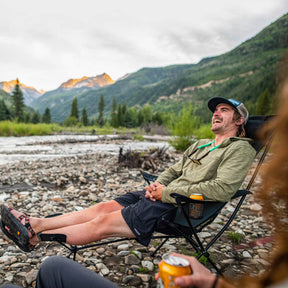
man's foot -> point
(16, 226)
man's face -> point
(222, 120)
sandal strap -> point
(27, 223)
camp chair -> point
(188, 228)
(183, 226)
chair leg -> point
(214, 266)
(159, 247)
(207, 255)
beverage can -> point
(171, 267)
(196, 209)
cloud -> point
(46, 43)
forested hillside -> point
(245, 73)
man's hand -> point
(154, 191)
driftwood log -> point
(146, 160)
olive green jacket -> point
(218, 178)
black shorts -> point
(142, 214)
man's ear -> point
(240, 121)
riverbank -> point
(44, 187)
(31, 148)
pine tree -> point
(46, 116)
(114, 119)
(84, 118)
(74, 109)
(4, 111)
(140, 118)
(18, 102)
(36, 117)
(119, 115)
(101, 106)
(27, 117)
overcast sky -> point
(45, 43)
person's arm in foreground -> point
(201, 277)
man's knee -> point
(108, 207)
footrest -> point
(52, 237)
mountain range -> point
(243, 73)
(29, 93)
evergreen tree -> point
(36, 117)
(46, 116)
(101, 106)
(124, 110)
(119, 115)
(114, 119)
(157, 118)
(140, 118)
(74, 109)
(18, 102)
(263, 106)
(27, 117)
(84, 118)
(128, 120)
(4, 111)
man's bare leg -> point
(72, 218)
(101, 227)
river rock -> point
(57, 187)
(31, 276)
(148, 264)
(132, 259)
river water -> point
(13, 149)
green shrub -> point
(204, 132)
(183, 129)
(70, 121)
(181, 143)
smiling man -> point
(219, 165)
(215, 169)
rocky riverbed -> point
(46, 187)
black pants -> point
(60, 272)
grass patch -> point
(157, 243)
(9, 128)
(144, 270)
(203, 260)
(138, 137)
(236, 236)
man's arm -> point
(175, 170)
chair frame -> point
(181, 201)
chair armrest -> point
(181, 199)
(241, 193)
(149, 177)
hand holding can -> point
(171, 267)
